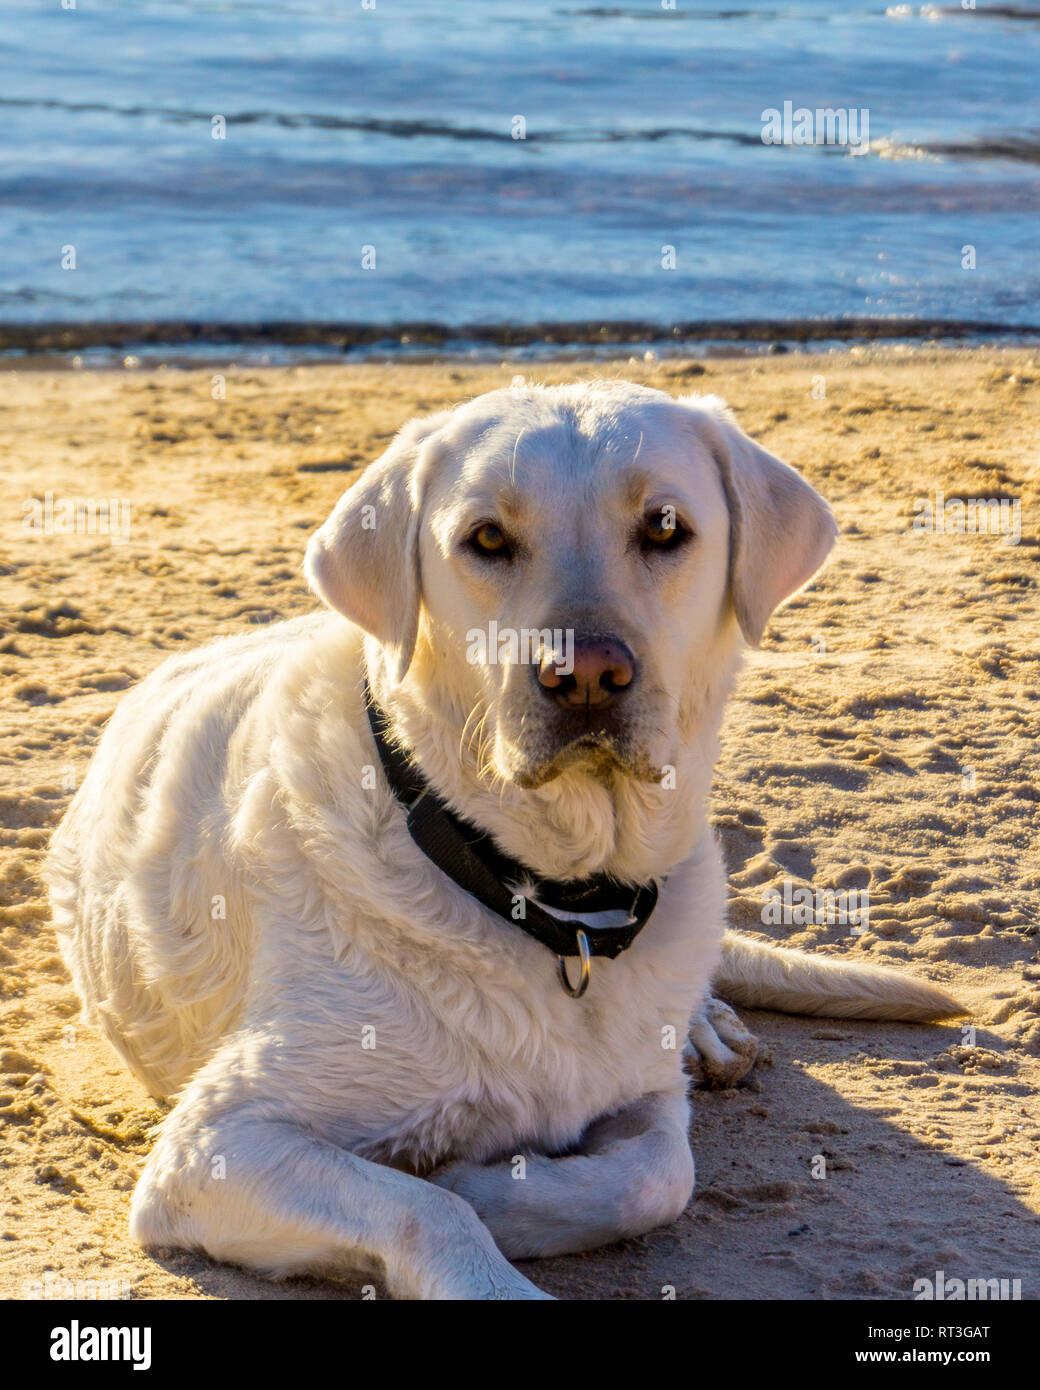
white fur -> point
(244, 911)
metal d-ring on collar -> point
(471, 859)
(576, 991)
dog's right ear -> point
(364, 561)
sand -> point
(884, 738)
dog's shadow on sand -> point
(802, 1193)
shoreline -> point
(186, 343)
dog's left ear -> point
(364, 561)
(781, 529)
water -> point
(391, 128)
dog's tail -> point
(762, 976)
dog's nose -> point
(603, 669)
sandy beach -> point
(886, 738)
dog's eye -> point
(489, 539)
(663, 530)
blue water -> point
(391, 128)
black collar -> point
(469, 857)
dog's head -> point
(561, 563)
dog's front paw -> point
(720, 1051)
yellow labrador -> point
(409, 922)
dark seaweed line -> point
(401, 129)
(623, 12)
(1021, 148)
(74, 337)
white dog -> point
(349, 986)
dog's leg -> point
(720, 1051)
(263, 1193)
(634, 1172)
